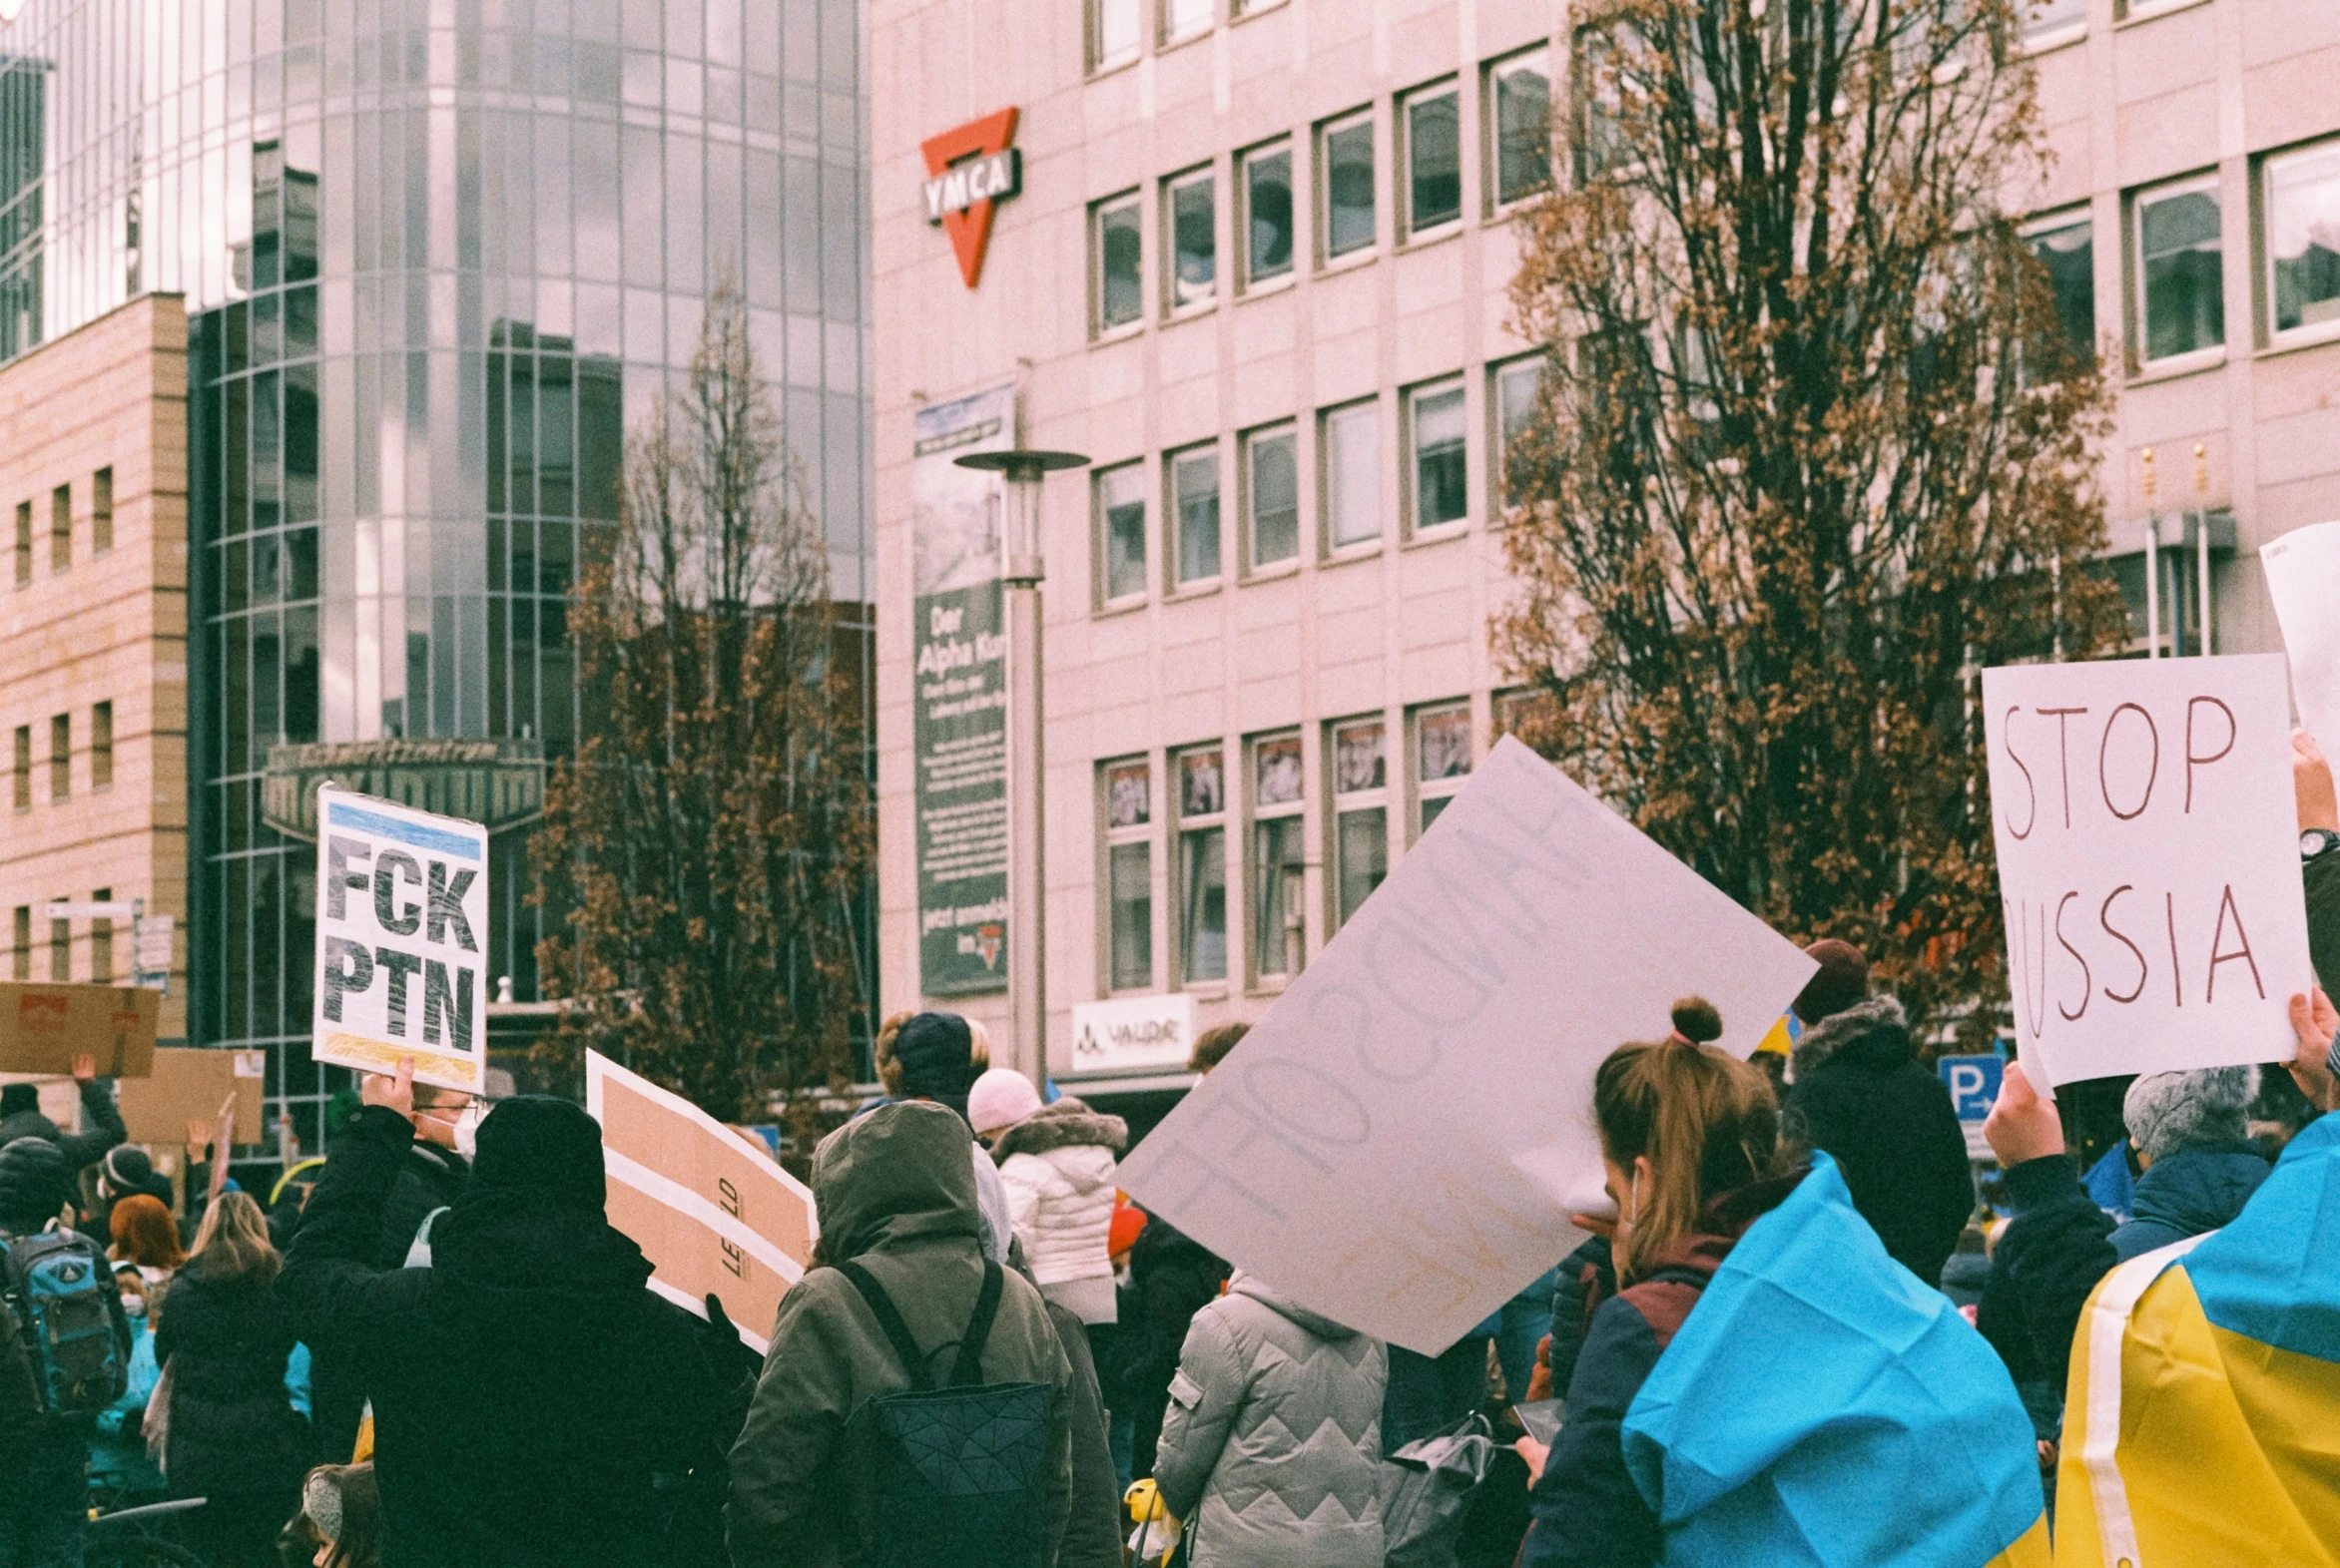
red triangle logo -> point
(971, 231)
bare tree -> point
(703, 846)
(1811, 451)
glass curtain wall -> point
(439, 255)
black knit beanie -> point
(537, 1143)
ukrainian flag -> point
(1821, 1406)
(2202, 1421)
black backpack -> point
(950, 1477)
(67, 1316)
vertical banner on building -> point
(402, 930)
(961, 713)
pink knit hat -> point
(1000, 1098)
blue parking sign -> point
(1972, 1082)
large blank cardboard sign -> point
(189, 1085)
(706, 1204)
(2303, 580)
(401, 923)
(1397, 1142)
(2148, 861)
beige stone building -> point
(92, 644)
(1255, 267)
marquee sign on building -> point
(970, 171)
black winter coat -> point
(1172, 1277)
(1861, 1094)
(233, 1426)
(87, 1147)
(535, 1403)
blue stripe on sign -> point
(437, 839)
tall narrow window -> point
(1344, 154)
(1129, 873)
(1191, 215)
(1434, 159)
(1270, 460)
(60, 947)
(1518, 122)
(1194, 496)
(1114, 33)
(1352, 487)
(101, 511)
(1441, 760)
(60, 756)
(20, 775)
(2303, 243)
(24, 543)
(102, 942)
(102, 745)
(2068, 250)
(1185, 18)
(1121, 289)
(1202, 865)
(1441, 469)
(20, 965)
(1518, 388)
(1278, 859)
(2181, 307)
(1121, 532)
(1267, 214)
(1361, 815)
(61, 528)
(1599, 100)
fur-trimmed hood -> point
(1874, 1034)
(1064, 1124)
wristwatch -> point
(2315, 843)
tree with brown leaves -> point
(703, 846)
(1811, 453)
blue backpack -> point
(68, 1312)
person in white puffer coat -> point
(1057, 1162)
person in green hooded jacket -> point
(895, 1193)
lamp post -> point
(1027, 931)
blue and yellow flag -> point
(2202, 1420)
(1821, 1407)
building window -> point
(1441, 760)
(1518, 122)
(1271, 469)
(1129, 874)
(1202, 865)
(2051, 19)
(1114, 33)
(1121, 289)
(1518, 393)
(1185, 18)
(1194, 500)
(1440, 473)
(2303, 240)
(21, 949)
(102, 745)
(1344, 154)
(101, 511)
(20, 775)
(1432, 120)
(1121, 531)
(1353, 475)
(61, 528)
(24, 543)
(2180, 306)
(1277, 859)
(101, 942)
(1191, 214)
(1267, 214)
(60, 756)
(1361, 817)
(1252, 7)
(60, 947)
(2068, 250)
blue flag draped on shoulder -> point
(2202, 1420)
(1820, 1406)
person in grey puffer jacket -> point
(1271, 1450)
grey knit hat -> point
(2166, 1112)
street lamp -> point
(1028, 934)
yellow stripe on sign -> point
(382, 1056)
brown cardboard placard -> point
(44, 1027)
(186, 1086)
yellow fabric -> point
(1777, 1041)
(2032, 1551)
(2229, 1450)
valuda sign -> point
(401, 924)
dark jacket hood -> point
(34, 1183)
(1874, 1035)
(1065, 1124)
(532, 1256)
(901, 1174)
(2198, 1189)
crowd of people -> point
(1792, 1334)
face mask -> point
(135, 1305)
(467, 1130)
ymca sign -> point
(970, 171)
(985, 180)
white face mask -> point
(135, 1305)
(467, 1130)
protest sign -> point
(2148, 863)
(711, 1210)
(402, 919)
(1396, 1142)
(188, 1086)
(2303, 579)
(1972, 1082)
(44, 1027)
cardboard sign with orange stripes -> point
(707, 1205)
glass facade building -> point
(440, 257)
